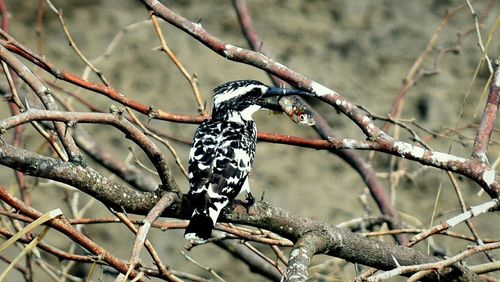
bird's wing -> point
(220, 160)
(202, 154)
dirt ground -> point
(363, 49)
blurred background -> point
(362, 49)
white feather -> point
(214, 213)
(219, 98)
(202, 166)
(247, 113)
(191, 237)
(245, 187)
(244, 115)
(240, 154)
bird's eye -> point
(302, 117)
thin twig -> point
(263, 256)
(160, 139)
(73, 44)
(435, 265)
(171, 55)
(111, 46)
(154, 255)
(479, 37)
(39, 26)
(206, 268)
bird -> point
(223, 150)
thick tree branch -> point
(337, 242)
(324, 130)
(341, 243)
(479, 172)
(300, 257)
(85, 179)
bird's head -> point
(244, 97)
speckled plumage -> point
(222, 154)
(223, 150)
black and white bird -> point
(223, 151)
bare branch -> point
(489, 116)
(116, 120)
(67, 230)
(324, 130)
(130, 173)
(171, 55)
(44, 95)
(73, 44)
(161, 267)
(254, 262)
(300, 257)
(165, 201)
(486, 177)
(434, 266)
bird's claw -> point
(250, 201)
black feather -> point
(221, 157)
(201, 225)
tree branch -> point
(122, 124)
(341, 243)
(324, 130)
(488, 120)
(300, 258)
(45, 96)
(480, 173)
(128, 172)
(69, 231)
(12, 45)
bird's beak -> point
(277, 91)
(266, 101)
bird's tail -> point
(205, 214)
(199, 228)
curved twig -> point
(116, 120)
(45, 96)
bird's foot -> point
(250, 201)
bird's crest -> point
(238, 89)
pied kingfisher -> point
(223, 151)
